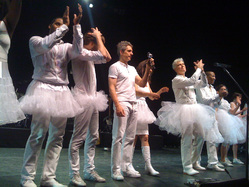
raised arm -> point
(13, 15)
(143, 81)
(112, 90)
(100, 45)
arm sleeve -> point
(39, 45)
(205, 99)
(77, 46)
(180, 82)
(88, 55)
(202, 82)
(113, 73)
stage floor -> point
(167, 161)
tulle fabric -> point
(99, 100)
(56, 101)
(10, 111)
(231, 127)
(145, 115)
(189, 119)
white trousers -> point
(40, 125)
(189, 153)
(211, 151)
(86, 126)
(123, 135)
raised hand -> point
(199, 64)
(95, 32)
(65, 17)
(77, 19)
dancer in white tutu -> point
(145, 116)
(10, 111)
(86, 124)
(237, 97)
(122, 80)
(49, 99)
(226, 121)
(185, 117)
(209, 96)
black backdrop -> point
(215, 31)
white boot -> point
(148, 167)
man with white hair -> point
(186, 117)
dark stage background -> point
(215, 31)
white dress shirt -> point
(84, 71)
(208, 96)
(184, 88)
(50, 55)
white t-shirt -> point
(125, 86)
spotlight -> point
(90, 5)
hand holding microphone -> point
(151, 60)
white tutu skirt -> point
(47, 99)
(10, 111)
(144, 114)
(99, 100)
(231, 127)
(144, 117)
(189, 119)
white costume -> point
(86, 124)
(208, 96)
(145, 116)
(10, 111)
(229, 125)
(49, 99)
(124, 128)
(186, 117)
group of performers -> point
(199, 114)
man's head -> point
(210, 77)
(222, 90)
(179, 66)
(125, 51)
(55, 24)
(90, 42)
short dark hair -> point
(53, 20)
(89, 38)
(220, 86)
(236, 94)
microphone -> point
(220, 65)
(149, 55)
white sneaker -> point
(226, 164)
(237, 161)
(117, 176)
(130, 173)
(228, 161)
(214, 167)
(190, 171)
(197, 166)
(51, 183)
(220, 165)
(27, 183)
(76, 180)
(132, 168)
(93, 176)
